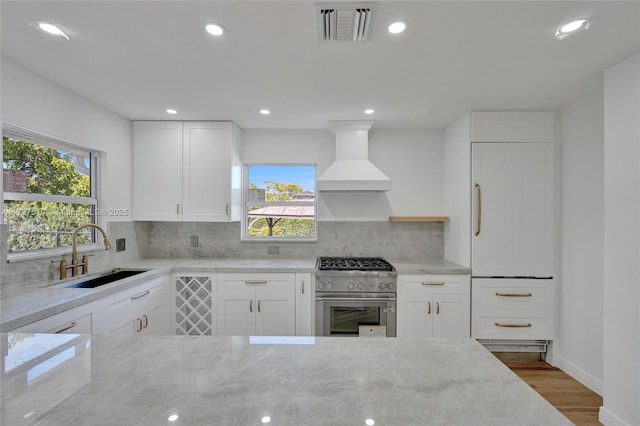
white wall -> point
(622, 244)
(580, 339)
(457, 200)
(33, 103)
(411, 158)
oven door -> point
(342, 314)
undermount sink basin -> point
(97, 280)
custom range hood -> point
(352, 170)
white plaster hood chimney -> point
(352, 170)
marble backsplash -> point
(43, 270)
(403, 241)
(406, 242)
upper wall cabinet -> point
(187, 171)
(512, 126)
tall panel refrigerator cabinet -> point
(512, 245)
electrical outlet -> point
(273, 250)
(121, 244)
(194, 241)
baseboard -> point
(580, 375)
(607, 418)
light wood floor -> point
(577, 402)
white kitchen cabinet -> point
(512, 209)
(187, 171)
(77, 320)
(143, 309)
(522, 309)
(433, 306)
(194, 304)
(304, 304)
(260, 304)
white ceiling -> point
(138, 58)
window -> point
(49, 189)
(280, 202)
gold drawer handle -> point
(479, 191)
(141, 295)
(255, 282)
(528, 325)
(69, 327)
(432, 283)
(514, 294)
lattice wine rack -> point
(194, 306)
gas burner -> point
(354, 264)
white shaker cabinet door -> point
(206, 180)
(157, 170)
(512, 209)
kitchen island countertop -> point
(145, 380)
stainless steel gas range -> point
(355, 296)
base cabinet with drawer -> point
(77, 320)
(258, 304)
(433, 306)
(513, 309)
(143, 309)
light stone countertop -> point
(143, 380)
(22, 305)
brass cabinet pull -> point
(259, 310)
(302, 287)
(255, 282)
(141, 295)
(250, 305)
(514, 294)
(437, 308)
(478, 190)
(69, 327)
(139, 325)
(227, 209)
(527, 325)
(432, 283)
(178, 208)
(428, 308)
(146, 321)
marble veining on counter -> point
(432, 265)
(143, 380)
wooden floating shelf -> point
(418, 219)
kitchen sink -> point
(100, 279)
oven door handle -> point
(356, 299)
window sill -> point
(49, 253)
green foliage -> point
(37, 224)
(280, 227)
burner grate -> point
(354, 264)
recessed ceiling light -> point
(173, 418)
(571, 27)
(397, 27)
(265, 112)
(369, 111)
(214, 29)
(171, 111)
(52, 29)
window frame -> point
(93, 201)
(246, 204)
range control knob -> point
(329, 285)
(320, 285)
(351, 285)
(390, 286)
(382, 286)
(361, 285)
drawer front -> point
(450, 284)
(490, 324)
(520, 295)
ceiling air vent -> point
(343, 22)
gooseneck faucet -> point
(74, 252)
